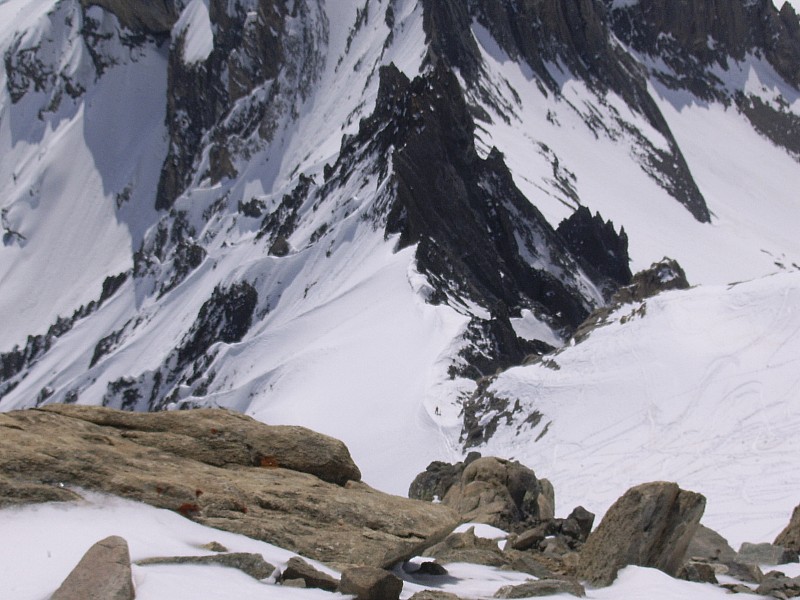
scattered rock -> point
(220, 469)
(294, 583)
(530, 538)
(434, 595)
(778, 585)
(103, 572)
(297, 568)
(543, 587)
(214, 547)
(737, 588)
(790, 536)
(698, 572)
(742, 571)
(467, 547)
(651, 525)
(247, 562)
(583, 520)
(766, 554)
(370, 583)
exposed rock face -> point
(598, 243)
(707, 544)
(790, 536)
(478, 238)
(274, 51)
(220, 469)
(679, 32)
(103, 572)
(145, 16)
(651, 525)
(369, 583)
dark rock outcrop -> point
(651, 525)
(220, 469)
(103, 572)
(597, 242)
(144, 16)
(688, 34)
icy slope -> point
(696, 386)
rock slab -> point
(221, 469)
(651, 525)
(104, 573)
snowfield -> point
(698, 387)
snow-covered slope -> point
(266, 219)
(695, 386)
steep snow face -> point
(697, 387)
(79, 160)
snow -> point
(697, 387)
(195, 25)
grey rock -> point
(530, 538)
(584, 520)
(651, 525)
(546, 500)
(737, 588)
(790, 536)
(543, 587)
(497, 492)
(434, 595)
(223, 470)
(747, 572)
(467, 547)
(370, 583)
(431, 568)
(104, 572)
(778, 585)
(766, 554)
(297, 568)
(247, 562)
(709, 545)
(698, 572)
(555, 546)
(294, 583)
(214, 547)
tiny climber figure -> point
(437, 412)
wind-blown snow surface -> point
(698, 387)
(42, 543)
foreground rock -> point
(103, 572)
(298, 569)
(543, 587)
(249, 563)
(790, 536)
(651, 525)
(220, 469)
(370, 583)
